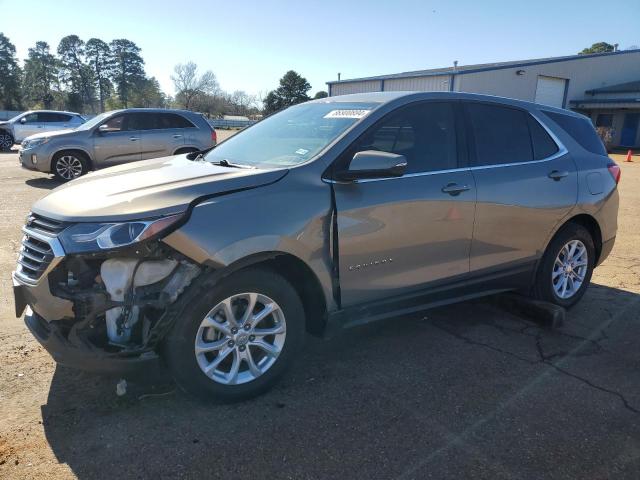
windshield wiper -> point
(226, 163)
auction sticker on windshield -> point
(346, 113)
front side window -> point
(501, 134)
(424, 133)
(291, 137)
(114, 124)
(31, 118)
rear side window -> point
(141, 121)
(581, 130)
(543, 144)
(173, 120)
(501, 134)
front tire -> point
(566, 268)
(69, 165)
(236, 339)
(6, 141)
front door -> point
(30, 124)
(116, 143)
(526, 184)
(629, 129)
(397, 234)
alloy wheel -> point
(570, 269)
(6, 141)
(240, 338)
(69, 167)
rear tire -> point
(69, 165)
(214, 336)
(6, 141)
(566, 267)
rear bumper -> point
(64, 353)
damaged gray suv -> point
(327, 215)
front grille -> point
(44, 225)
(36, 253)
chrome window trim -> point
(562, 150)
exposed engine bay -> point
(121, 300)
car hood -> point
(51, 134)
(145, 189)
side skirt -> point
(430, 297)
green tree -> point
(40, 76)
(600, 47)
(292, 90)
(128, 68)
(320, 94)
(76, 73)
(147, 94)
(10, 76)
(101, 63)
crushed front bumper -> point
(64, 353)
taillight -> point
(214, 137)
(614, 170)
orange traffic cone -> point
(628, 156)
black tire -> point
(69, 165)
(543, 288)
(6, 141)
(178, 349)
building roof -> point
(462, 69)
(629, 87)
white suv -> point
(29, 123)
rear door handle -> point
(177, 136)
(558, 175)
(454, 189)
(134, 139)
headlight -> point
(91, 237)
(36, 142)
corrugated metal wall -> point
(355, 87)
(439, 83)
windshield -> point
(94, 121)
(290, 137)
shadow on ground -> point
(466, 391)
(47, 183)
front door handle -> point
(558, 175)
(177, 136)
(134, 139)
(454, 189)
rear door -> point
(162, 133)
(526, 182)
(53, 121)
(118, 144)
(398, 234)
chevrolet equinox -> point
(326, 215)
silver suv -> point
(33, 122)
(116, 137)
(329, 214)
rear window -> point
(581, 130)
(501, 134)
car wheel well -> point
(591, 224)
(182, 150)
(76, 151)
(302, 279)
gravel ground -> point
(468, 391)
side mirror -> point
(23, 120)
(373, 164)
(103, 129)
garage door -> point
(550, 91)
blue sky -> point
(249, 45)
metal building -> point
(605, 87)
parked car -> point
(116, 137)
(329, 214)
(32, 122)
